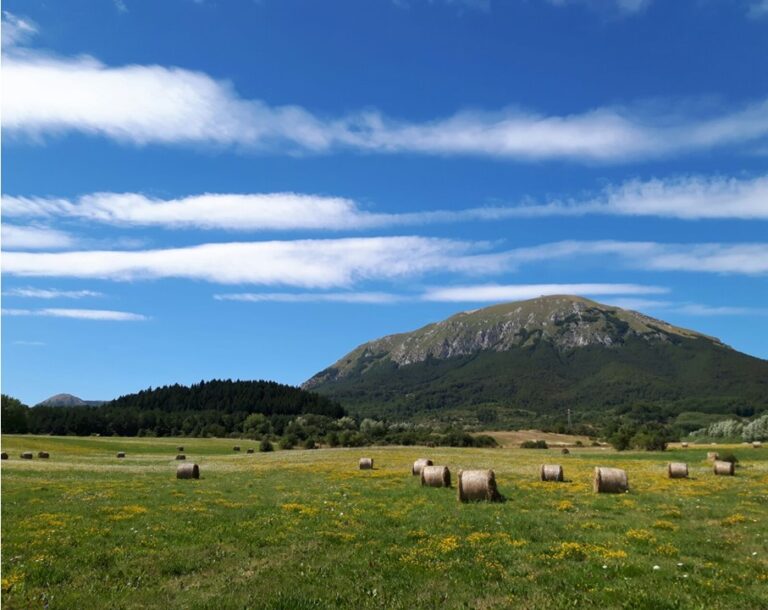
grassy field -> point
(307, 529)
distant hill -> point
(68, 400)
(517, 362)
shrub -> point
(288, 442)
(534, 445)
(729, 457)
(332, 439)
(309, 444)
(266, 445)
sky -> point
(198, 189)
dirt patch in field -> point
(513, 438)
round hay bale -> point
(249, 450)
(236, 448)
(435, 476)
(565, 451)
(27, 455)
(180, 449)
(757, 444)
(3, 456)
(610, 481)
(724, 468)
(188, 471)
(121, 454)
(684, 445)
(43, 454)
(475, 485)
(551, 472)
(418, 465)
(713, 455)
(181, 456)
(677, 470)
(365, 463)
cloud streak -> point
(360, 298)
(491, 293)
(329, 263)
(686, 198)
(152, 104)
(79, 314)
(303, 263)
(50, 293)
(15, 237)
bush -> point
(332, 439)
(579, 444)
(729, 457)
(266, 445)
(309, 444)
(534, 445)
(288, 442)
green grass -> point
(306, 529)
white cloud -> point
(687, 308)
(687, 197)
(366, 298)
(144, 104)
(303, 263)
(748, 259)
(697, 309)
(690, 197)
(80, 314)
(268, 211)
(15, 237)
(50, 293)
(489, 293)
(319, 264)
(16, 30)
(29, 343)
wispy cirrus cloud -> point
(16, 237)
(305, 263)
(329, 263)
(687, 308)
(80, 314)
(625, 296)
(478, 293)
(491, 293)
(16, 30)
(688, 197)
(50, 293)
(152, 104)
(360, 298)
(742, 259)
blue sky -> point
(251, 189)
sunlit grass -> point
(307, 529)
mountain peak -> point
(67, 400)
(537, 358)
(567, 322)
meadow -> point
(307, 529)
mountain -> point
(68, 400)
(532, 359)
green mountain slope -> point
(539, 358)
